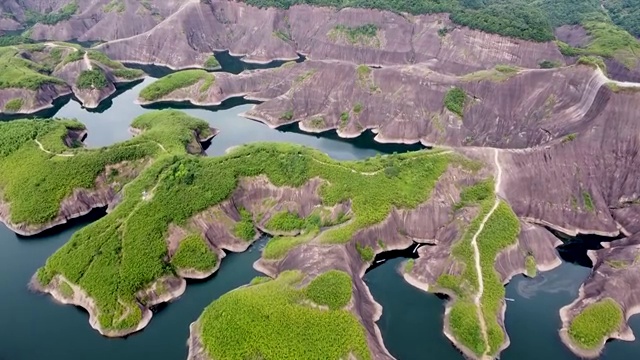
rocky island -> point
(35, 75)
(529, 116)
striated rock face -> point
(269, 34)
(92, 23)
(405, 104)
(594, 175)
(33, 101)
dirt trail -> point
(87, 61)
(50, 152)
(372, 172)
(476, 254)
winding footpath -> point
(476, 255)
(50, 152)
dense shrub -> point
(597, 321)
(269, 319)
(332, 289)
(285, 221)
(454, 100)
(193, 253)
(92, 79)
(13, 105)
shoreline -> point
(624, 332)
(81, 299)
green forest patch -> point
(258, 321)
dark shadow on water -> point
(185, 105)
(58, 104)
(107, 103)
(363, 141)
(155, 71)
(93, 215)
(228, 63)
(235, 65)
(408, 253)
(574, 249)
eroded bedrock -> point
(505, 107)
(34, 75)
(184, 34)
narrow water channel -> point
(412, 320)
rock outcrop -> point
(264, 35)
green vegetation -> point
(18, 72)
(408, 266)
(270, 320)
(475, 194)
(617, 264)
(569, 138)
(73, 56)
(498, 74)
(344, 119)
(530, 266)
(285, 221)
(282, 35)
(454, 100)
(13, 105)
(593, 61)
(499, 232)
(65, 289)
(51, 18)
(115, 257)
(260, 280)
(194, 254)
(211, 63)
(244, 228)
(10, 40)
(332, 289)
(357, 108)
(287, 115)
(129, 74)
(366, 252)
(207, 83)
(364, 35)
(625, 13)
(173, 82)
(92, 79)
(547, 64)
(595, 323)
(279, 246)
(115, 5)
(27, 170)
(587, 201)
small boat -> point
(510, 299)
(380, 261)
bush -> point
(285, 221)
(211, 63)
(366, 252)
(13, 105)
(595, 323)
(194, 254)
(454, 100)
(92, 79)
(332, 289)
(244, 228)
